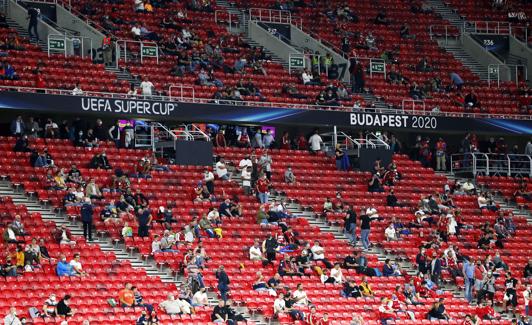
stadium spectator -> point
(457, 81)
(12, 318)
(437, 311)
(126, 297)
(366, 218)
(315, 142)
(76, 266)
(49, 308)
(146, 87)
(223, 282)
(62, 235)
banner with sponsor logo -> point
(191, 112)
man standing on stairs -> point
(350, 224)
(86, 218)
(33, 16)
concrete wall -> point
(518, 48)
(303, 40)
(19, 14)
(270, 42)
(67, 20)
(473, 48)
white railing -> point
(180, 89)
(512, 72)
(413, 105)
(488, 27)
(376, 141)
(145, 49)
(274, 16)
(492, 164)
(196, 133)
(444, 31)
(256, 104)
(231, 19)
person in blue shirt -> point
(387, 269)
(457, 80)
(468, 270)
(64, 268)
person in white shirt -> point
(135, 30)
(221, 170)
(246, 180)
(318, 254)
(139, 6)
(146, 87)
(200, 298)
(76, 265)
(300, 296)
(308, 78)
(255, 253)
(527, 295)
(77, 91)
(208, 178)
(279, 305)
(11, 318)
(389, 232)
(171, 306)
(245, 162)
(315, 142)
(155, 244)
(336, 275)
(289, 176)
(268, 139)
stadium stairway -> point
(23, 32)
(106, 244)
(446, 12)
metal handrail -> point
(181, 88)
(413, 101)
(496, 69)
(375, 141)
(255, 104)
(219, 16)
(487, 27)
(492, 163)
(196, 132)
(447, 31)
(274, 16)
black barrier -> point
(193, 112)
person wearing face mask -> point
(64, 268)
(49, 308)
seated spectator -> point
(375, 183)
(221, 170)
(390, 233)
(255, 253)
(386, 312)
(391, 200)
(308, 79)
(18, 226)
(471, 101)
(64, 268)
(76, 266)
(219, 313)
(280, 306)
(292, 91)
(456, 80)
(100, 161)
(289, 176)
(49, 308)
(93, 191)
(351, 290)
(335, 275)
(62, 235)
(200, 299)
(437, 311)
(63, 307)
(22, 144)
(173, 306)
(485, 202)
(381, 19)
(390, 268)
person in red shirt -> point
(262, 188)
(285, 141)
(302, 143)
(40, 83)
(220, 140)
(487, 312)
(324, 320)
(441, 149)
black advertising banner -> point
(497, 44)
(192, 112)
